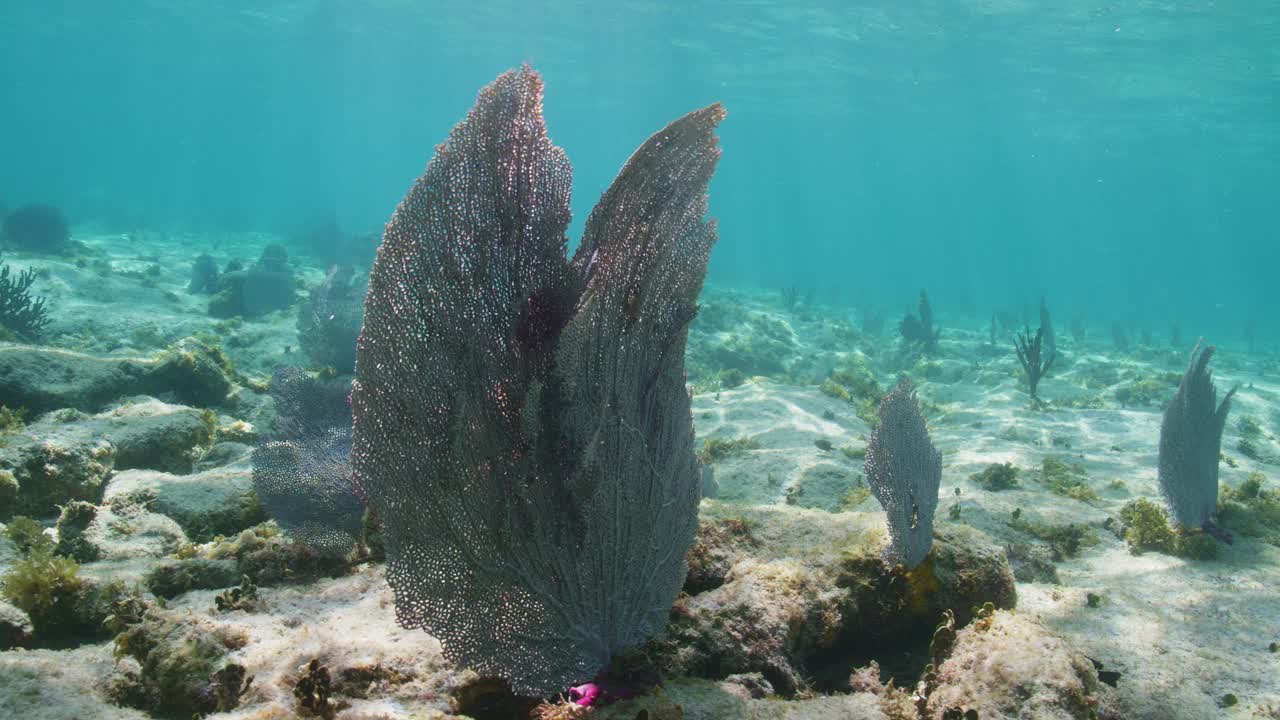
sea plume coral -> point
(302, 474)
(904, 471)
(522, 424)
(20, 312)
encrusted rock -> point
(1012, 668)
(16, 629)
(816, 594)
(154, 435)
(124, 531)
(718, 546)
(43, 471)
(41, 379)
(218, 501)
(180, 655)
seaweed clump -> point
(856, 384)
(180, 655)
(1067, 480)
(1145, 526)
(1251, 509)
(64, 608)
(996, 477)
(715, 450)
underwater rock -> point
(145, 432)
(45, 471)
(172, 578)
(43, 379)
(223, 453)
(1014, 669)
(153, 435)
(35, 228)
(204, 275)
(60, 685)
(72, 523)
(1032, 563)
(789, 618)
(192, 372)
(126, 531)
(16, 629)
(971, 569)
(179, 654)
(767, 619)
(717, 547)
(691, 699)
(218, 501)
(266, 286)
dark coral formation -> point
(1036, 355)
(920, 331)
(904, 471)
(265, 286)
(36, 228)
(522, 424)
(329, 320)
(302, 473)
(324, 237)
(204, 275)
(21, 313)
(1191, 442)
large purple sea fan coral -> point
(904, 470)
(522, 424)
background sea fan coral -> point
(303, 475)
(904, 471)
(1191, 442)
(329, 320)
(522, 423)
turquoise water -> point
(1119, 158)
(577, 490)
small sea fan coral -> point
(522, 423)
(36, 228)
(904, 471)
(329, 321)
(1191, 442)
(20, 312)
(302, 475)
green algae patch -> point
(996, 477)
